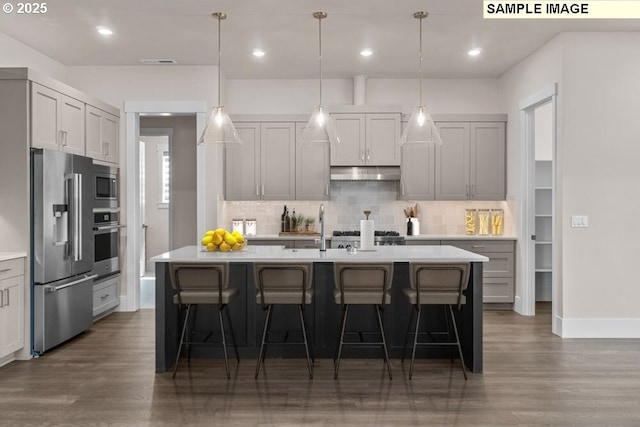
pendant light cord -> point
(421, 61)
(320, 54)
(219, 59)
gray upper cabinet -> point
(277, 161)
(57, 121)
(101, 134)
(418, 172)
(242, 164)
(263, 166)
(312, 169)
(470, 164)
(367, 139)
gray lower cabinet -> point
(471, 163)
(263, 166)
(499, 273)
(105, 295)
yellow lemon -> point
(236, 247)
(217, 239)
(211, 247)
(206, 240)
(230, 239)
(220, 231)
(224, 247)
(209, 233)
(240, 238)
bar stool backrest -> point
(441, 283)
(285, 278)
(199, 283)
(364, 277)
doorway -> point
(537, 223)
(155, 204)
(133, 111)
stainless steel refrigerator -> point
(62, 247)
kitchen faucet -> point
(323, 240)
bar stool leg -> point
(306, 344)
(406, 337)
(224, 341)
(415, 339)
(233, 335)
(345, 312)
(455, 330)
(267, 325)
(384, 341)
(184, 331)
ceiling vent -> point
(158, 61)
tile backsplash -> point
(349, 200)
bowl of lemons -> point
(223, 240)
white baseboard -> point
(598, 328)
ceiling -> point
(185, 31)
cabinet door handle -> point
(368, 153)
(326, 191)
(65, 136)
(257, 190)
(362, 155)
(467, 190)
(473, 191)
(7, 298)
(1, 299)
(262, 190)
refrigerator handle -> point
(52, 288)
(77, 211)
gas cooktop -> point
(357, 233)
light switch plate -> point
(579, 221)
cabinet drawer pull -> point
(1, 299)
(4, 270)
(104, 296)
(477, 246)
(7, 298)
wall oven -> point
(106, 234)
(106, 187)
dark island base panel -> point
(323, 318)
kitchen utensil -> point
(367, 213)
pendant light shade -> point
(321, 127)
(219, 128)
(420, 129)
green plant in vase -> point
(309, 223)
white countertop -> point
(278, 253)
(5, 256)
(278, 237)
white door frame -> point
(131, 300)
(526, 303)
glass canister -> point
(497, 222)
(470, 221)
(484, 218)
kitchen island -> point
(323, 315)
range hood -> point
(365, 173)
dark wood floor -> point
(106, 377)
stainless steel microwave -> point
(105, 186)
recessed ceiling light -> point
(475, 51)
(104, 31)
(366, 52)
(258, 53)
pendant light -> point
(420, 128)
(321, 128)
(219, 128)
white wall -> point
(299, 96)
(597, 152)
(601, 177)
(16, 54)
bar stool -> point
(286, 284)
(362, 284)
(197, 284)
(436, 284)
